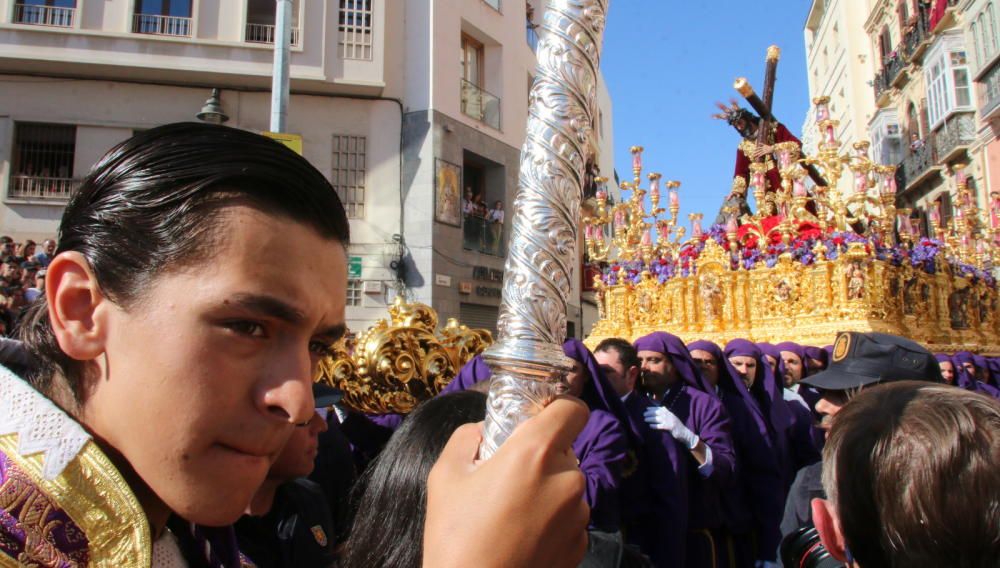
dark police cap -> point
(861, 359)
(326, 395)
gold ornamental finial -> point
(773, 53)
(743, 86)
(821, 100)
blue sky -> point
(666, 62)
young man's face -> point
(50, 247)
(576, 379)
(622, 380)
(298, 457)
(204, 375)
(793, 368)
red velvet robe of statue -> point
(779, 134)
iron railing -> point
(480, 104)
(264, 33)
(958, 131)
(478, 234)
(44, 15)
(157, 24)
(917, 163)
(915, 37)
(36, 188)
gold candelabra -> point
(631, 234)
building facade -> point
(981, 24)
(404, 109)
(839, 67)
(923, 90)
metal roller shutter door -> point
(477, 316)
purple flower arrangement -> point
(925, 254)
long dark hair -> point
(391, 496)
(151, 204)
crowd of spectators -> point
(22, 277)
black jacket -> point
(296, 532)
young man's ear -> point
(828, 526)
(76, 305)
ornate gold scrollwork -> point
(401, 361)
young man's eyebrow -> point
(269, 306)
(279, 309)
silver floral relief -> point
(527, 360)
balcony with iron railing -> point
(955, 136)
(35, 15)
(37, 188)
(480, 104)
(481, 235)
(156, 24)
(989, 95)
(949, 17)
(917, 37)
(882, 85)
(919, 165)
(894, 68)
(264, 33)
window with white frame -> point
(355, 29)
(354, 292)
(990, 31)
(349, 160)
(949, 88)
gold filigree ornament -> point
(400, 361)
(88, 489)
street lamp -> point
(212, 111)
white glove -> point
(661, 418)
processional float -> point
(809, 263)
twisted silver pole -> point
(527, 360)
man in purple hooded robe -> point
(695, 417)
(966, 374)
(654, 503)
(602, 447)
(761, 425)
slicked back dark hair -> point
(152, 204)
(627, 354)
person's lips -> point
(248, 451)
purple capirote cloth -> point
(672, 346)
(963, 378)
(993, 363)
(708, 346)
(474, 371)
(819, 354)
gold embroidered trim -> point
(95, 496)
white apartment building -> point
(839, 67)
(385, 94)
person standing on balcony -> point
(495, 222)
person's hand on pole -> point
(523, 507)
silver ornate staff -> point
(527, 360)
